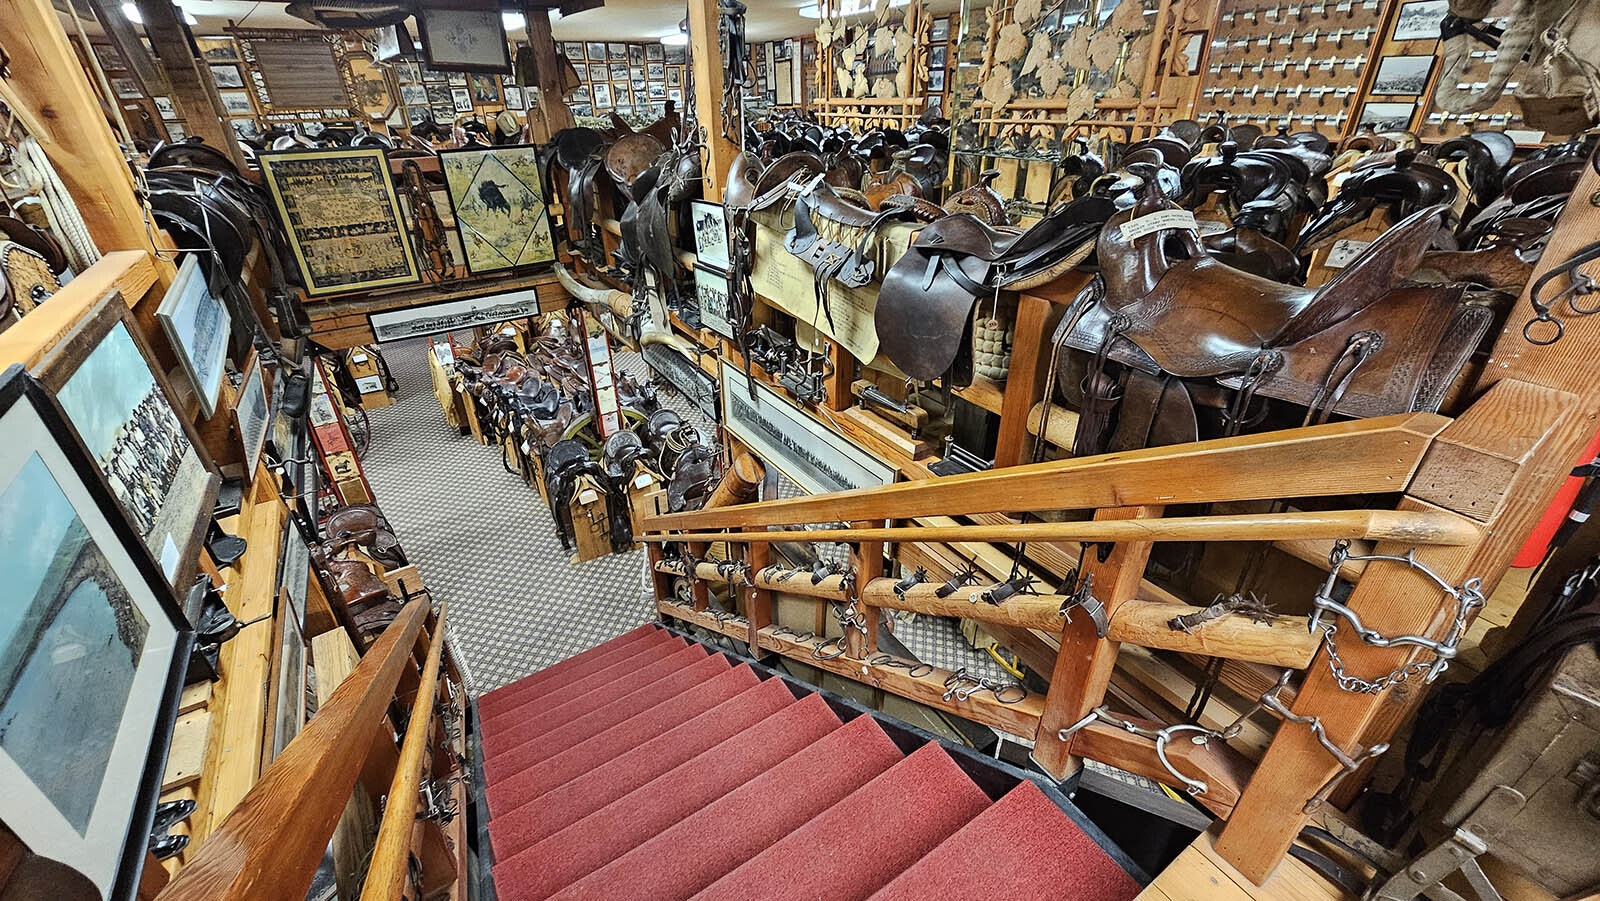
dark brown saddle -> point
(924, 314)
(1179, 325)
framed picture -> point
(939, 30)
(936, 81)
(674, 77)
(414, 95)
(783, 81)
(596, 72)
(197, 324)
(252, 413)
(109, 57)
(677, 56)
(175, 133)
(619, 71)
(636, 54)
(464, 40)
(217, 49)
(710, 234)
(1420, 21)
(711, 287)
(937, 56)
(675, 94)
(514, 100)
(431, 75)
(126, 88)
(580, 96)
(164, 107)
(654, 52)
(485, 90)
(343, 220)
(617, 53)
(638, 86)
(601, 92)
(1387, 116)
(657, 91)
(656, 71)
(620, 95)
(245, 128)
(227, 76)
(116, 395)
(452, 316)
(408, 71)
(497, 195)
(595, 50)
(636, 73)
(287, 699)
(1402, 76)
(573, 50)
(294, 572)
(94, 655)
(237, 103)
(455, 79)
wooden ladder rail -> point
(268, 848)
(387, 875)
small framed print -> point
(573, 50)
(464, 40)
(619, 71)
(674, 77)
(636, 73)
(656, 71)
(597, 72)
(227, 76)
(164, 107)
(514, 99)
(1381, 117)
(461, 100)
(602, 95)
(175, 132)
(197, 324)
(217, 49)
(711, 287)
(1402, 76)
(710, 234)
(619, 94)
(596, 50)
(126, 88)
(455, 79)
(939, 30)
(636, 54)
(638, 86)
(110, 59)
(677, 56)
(237, 103)
(654, 52)
(936, 56)
(936, 81)
(485, 89)
(581, 95)
(252, 413)
(675, 95)
(413, 95)
(1420, 21)
(617, 53)
(657, 91)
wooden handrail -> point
(1410, 527)
(269, 847)
(1376, 456)
(386, 877)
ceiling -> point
(618, 20)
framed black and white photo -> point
(1420, 20)
(654, 52)
(674, 77)
(464, 40)
(617, 53)
(710, 234)
(453, 315)
(237, 103)
(252, 414)
(197, 324)
(597, 71)
(936, 81)
(711, 288)
(414, 95)
(601, 92)
(677, 56)
(227, 76)
(573, 50)
(675, 94)
(1402, 76)
(619, 71)
(579, 96)
(514, 99)
(164, 107)
(117, 398)
(657, 91)
(92, 658)
(110, 58)
(394, 42)
(126, 88)
(1382, 116)
(937, 56)
(461, 100)
(939, 30)
(286, 702)
(656, 71)
(596, 50)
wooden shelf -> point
(989, 395)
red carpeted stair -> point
(649, 767)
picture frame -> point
(253, 413)
(674, 77)
(936, 81)
(227, 76)
(677, 56)
(366, 245)
(286, 702)
(573, 50)
(656, 71)
(237, 103)
(408, 71)
(656, 91)
(431, 75)
(601, 93)
(455, 79)
(654, 53)
(497, 198)
(636, 54)
(299, 73)
(711, 288)
(414, 95)
(126, 88)
(485, 90)
(109, 57)
(1383, 116)
(164, 107)
(939, 30)
(294, 570)
(96, 600)
(597, 72)
(617, 53)
(1402, 76)
(675, 94)
(938, 55)
(1420, 20)
(708, 221)
(464, 40)
(636, 73)
(111, 388)
(619, 71)
(452, 315)
(595, 50)
(197, 325)
(217, 48)
(514, 98)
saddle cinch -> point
(1177, 347)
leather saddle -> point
(579, 151)
(1179, 325)
(837, 239)
(1403, 185)
(924, 315)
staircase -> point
(653, 767)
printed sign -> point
(785, 436)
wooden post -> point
(868, 565)
(697, 587)
(1083, 667)
(758, 602)
(1030, 361)
(707, 75)
(193, 94)
(546, 68)
(126, 40)
(46, 77)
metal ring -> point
(839, 649)
(1580, 289)
(921, 670)
(1527, 331)
(1192, 786)
(882, 660)
(999, 693)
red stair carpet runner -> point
(651, 767)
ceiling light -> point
(677, 39)
(811, 11)
(131, 13)
(513, 20)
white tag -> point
(1160, 221)
(641, 480)
(169, 557)
(1344, 252)
(461, 387)
(1524, 136)
(370, 384)
(358, 358)
(588, 496)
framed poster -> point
(93, 656)
(1402, 76)
(252, 414)
(601, 92)
(113, 392)
(710, 234)
(464, 40)
(711, 288)
(497, 195)
(344, 224)
(453, 315)
(197, 325)
(1387, 116)
(227, 76)
(1420, 21)
(785, 436)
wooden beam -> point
(1382, 525)
(1222, 769)
(706, 75)
(1376, 455)
(192, 91)
(1030, 364)
(546, 68)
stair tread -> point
(866, 839)
(1000, 852)
(564, 692)
(513, 694)
(742, 822)
(603, 835)
(644, 746)
(548, 739)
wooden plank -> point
(547, 71)
(335, 659)
(192, 90)
(706, 76)
(1030, 361)
(187, 756)
(1221, 768)
(131, 272)
(1367, 455)
(194, 697)
(1200, 874)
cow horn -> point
(615, 301)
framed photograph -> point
(252, 413)
(636, 54)
(94, 653)
(657, 91)
(710, 234)
(675, 94)
(497, 196)
(939, 30)
(237, 103)
(936, 81)
(110, 58)
(1387, 116)
(596, 72)
(461, 100)
(164, 107)
(452, 315)
(579, 96)
(1402, 76)
(656, 71)
(394, 43)
(286, 701)
(408, 71)
(1420, 21)
(573, 50)
(197, 324)
(783, 81)
(674, 77)
(654, 52)
(227, 76)
(116, 395)
(431, 75)
(677, 56)
(485, 90)
(620, 95)
(617, 53)
(413, 95)
(619, 71)
(937, 55)
(638, 87)
(455, 79)
(217, 49)
(636, 73)
(245, 128)
(175, 132)
(295, 571)
(601, 92)
(711, 287)
(464, 40)
(595, 50)
(514, 100)
(126, 88)
(342, 217)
